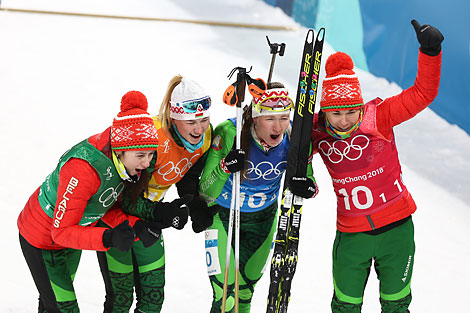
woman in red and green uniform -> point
(58, 220)
(265, 142)
(184, 133)
(374, 207)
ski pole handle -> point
(241, 78)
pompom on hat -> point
(341, 89)
(133, 127)
(189, 101)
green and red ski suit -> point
(59, 219)
(143, 268)
(374, 206)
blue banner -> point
(379, 37)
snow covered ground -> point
(61, 80)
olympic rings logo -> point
(176, 221)
(341, 149)
(111, 195)
(265, 170)
(171, 171)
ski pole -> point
(235, 201)
(274, 49)
(229, 247)
(241, 76)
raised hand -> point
(429, 37)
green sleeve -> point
(213, 176)
(310, 173)
(309, 165)
(143, 207)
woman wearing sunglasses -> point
(184, 133)
(59, 219)
(264, 142)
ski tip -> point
(310, 36)
(321, 34)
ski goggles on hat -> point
(275, 104)
(193, 106)
(273, 100)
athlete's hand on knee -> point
(429, 37)
(303, 187)
(234, 161)
(148, 232)
(174, 214)
(201, 215)
(121, 237)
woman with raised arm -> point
(374, 208)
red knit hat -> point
(133, 127)
(341, 89)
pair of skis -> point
(285, 254)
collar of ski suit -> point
(189, 146)
(339, 134)
(121, 169)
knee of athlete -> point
(122, 281)
(217, 291)
(338, 306)
(399, 305)
(69, 306)
(229, 304)
(245, 294)
(155, 277)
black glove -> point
(148, 232)
(303, 187)
(429, 37)
(173, 213)
(235, 160)
(121, 237)
(201, 215)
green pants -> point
(140, 268)
(393, 254)
(53, 272)
(256, 236)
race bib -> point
(212, 253)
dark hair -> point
(247, 121)
(321, 121)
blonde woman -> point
(184, 132)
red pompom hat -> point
(341, 89)
(133, 127)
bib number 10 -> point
(366, 194)
(255, 201)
